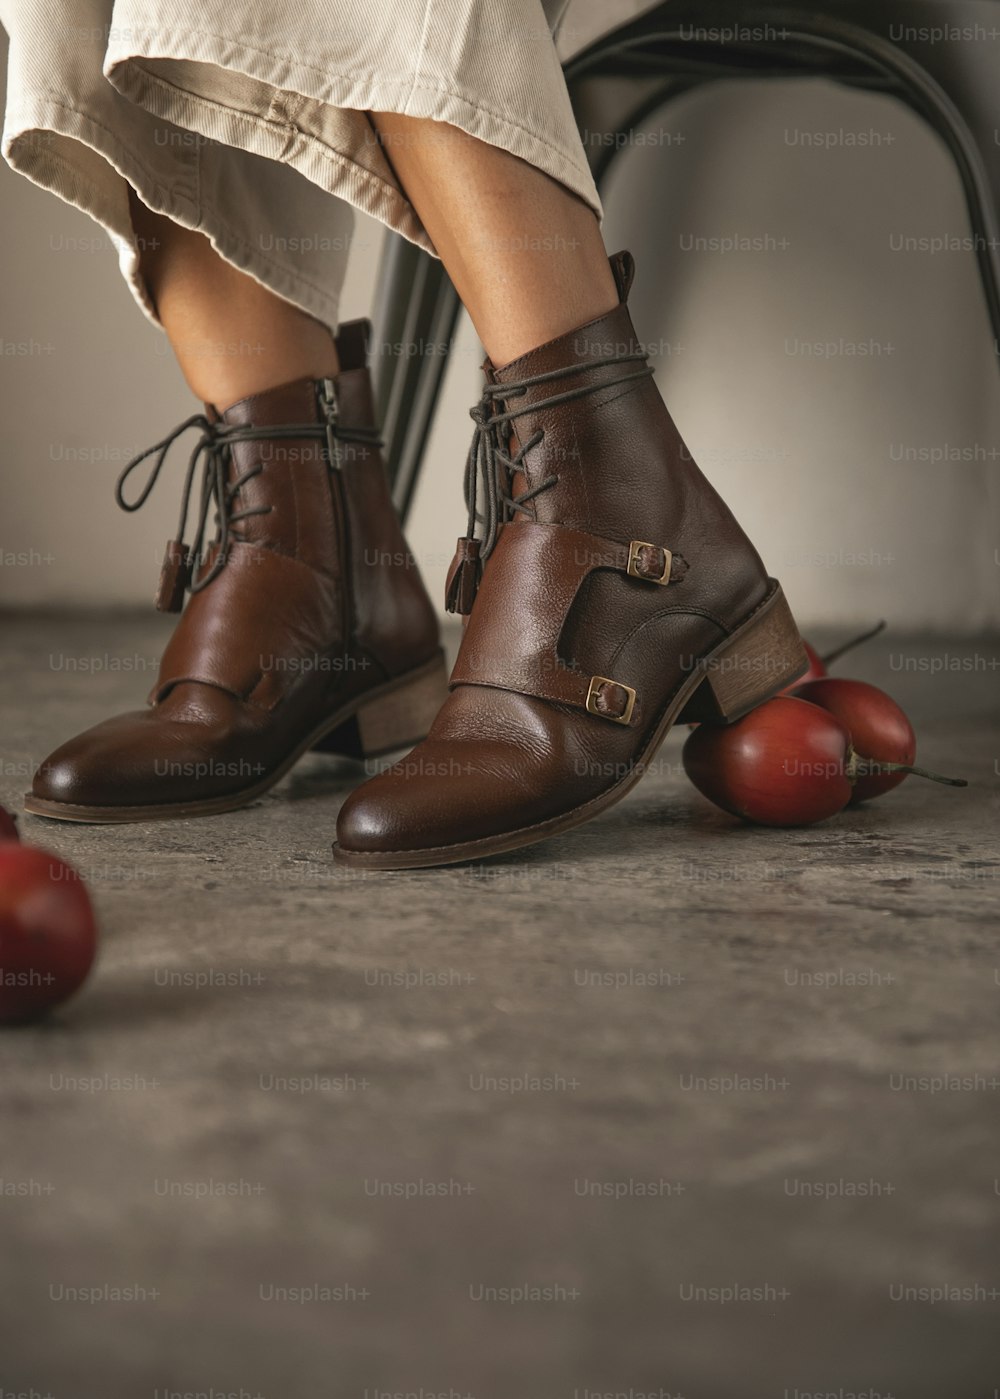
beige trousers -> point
(242, 120)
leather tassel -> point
(175, 575)
(463, 577)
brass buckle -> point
(596, 681)
(633, 562)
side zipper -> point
(331, 413)
(330, 408)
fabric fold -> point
(242, 122)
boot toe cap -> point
(62, 778)
(438, 799)
(135, 759)
(387, 815)
(109, 764)
(86, 770)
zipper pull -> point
(331, 412)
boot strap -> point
(287, 615)
(512, 638)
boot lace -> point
(213, 450)
(490, 467)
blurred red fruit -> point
(48, 937)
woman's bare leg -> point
(232, 337)
(525, 254)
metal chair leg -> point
(414, 322)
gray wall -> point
(831, 456)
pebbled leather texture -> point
(319, 601)
(513, 745)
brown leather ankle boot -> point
(308, 623)
(618, 596)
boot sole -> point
(726, 684)
(395, 715)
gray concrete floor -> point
(402, 1091)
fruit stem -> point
(866, 767)
(850, 645)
